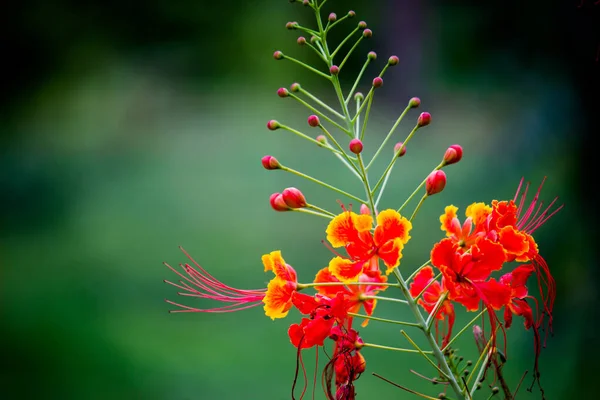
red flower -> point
(433, 291)
(474, 227)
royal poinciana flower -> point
(356, 295)
(431, 292)
(474, 227)
(353, 231)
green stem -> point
(371, 91)
(389, 321)
(351, 51)
(328, 186)
(316, 71)
(487, 352)
(443, 365)
(383, 185)
(463, 330)
(418, 207)
(423, 353)
(357, 81)
(322, 104)
(305, 211)
(411, 276)
(305, 104)
(416, 190)
(304, 136)
(432, 315)
(343, 42)
(319, 209)
(395, 158)
(427, 286)
(389, 135)
(365, 178)
(352, 168)
(336, 22)
(390, 299)
(335, 142)
(378, 346)
(364, 127)
(318, 51)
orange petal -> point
(274, 262)
(447, 220)
(325, 276)
(278, 299)
(391, 225)
(478, 212)
(514, 242)
(390, 254)
(345, 270)
(369, 306)
(344, 228)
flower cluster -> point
(463, 267)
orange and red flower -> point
(353, 231)
(474, 227)
(433, 291)
(278, 299)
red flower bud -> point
(414, 102)
(393, 60)
(334, 70)
(291, 25)
(313, 121)
(351, 14)
(277, 202)
(295, 87)
(367, 33)
(273, 125)
(293, 198)
(301, 41)
(364, 209)
(377, 82)
(278, 55)
(435, 182)
(397, 149)
(453, 154)
(424, 119)
(282, 92)
(372, 55)
(270, 163)
(356, 146)
(332, 17)
(362, 24)
(305, 2)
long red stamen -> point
(201, 284)
(528, 220)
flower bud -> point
(273, 125)
(278, 55)
(393, 60)
(435, 182)
(313, 121)
(356, 146)
(282, 92)
(398, 148)
(367, 33)
(442, 396)
(362, 24)
(295, 87)
(277, 202)
(314, 39)
(414, 102)
(334, 70)
(358, 96)
(364, 209)
(372, 56)
(351, 14)
(453, 154)
(301, 41)
(293, 198)
(377, 82)
(305, 2)
(424, 119)
(270, 163)
(332, 17)
(291, 25)
(321, 139)
(495, 390)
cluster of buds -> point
(459, 269)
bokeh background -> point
(129, 129)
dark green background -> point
(130, 129)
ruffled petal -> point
(345, 270)
(345, 228)
(515, 243)
(494, 294)
(391, 226)
(449, 221)
(278, 299)
(478, 212)
(275, 262)
(325, 276)
(390, 254)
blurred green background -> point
(131, 129)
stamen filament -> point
(328, 186)
(389, 321)
(316, 71)
(390, 133)
(378, 346)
